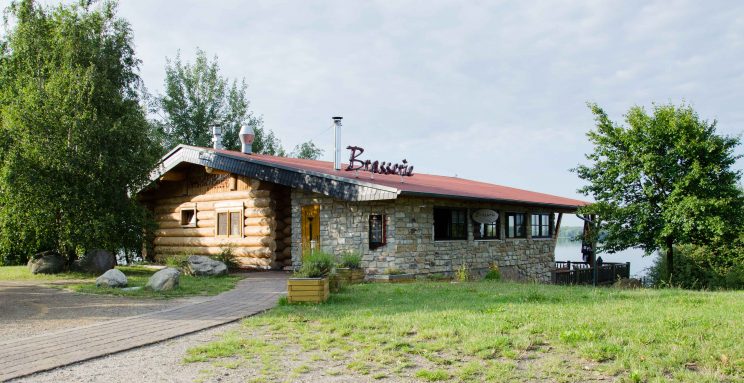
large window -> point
(377, 237)
(515, 225)
(487, 230)
(541, 225)
(450, 224)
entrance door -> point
(310, 228)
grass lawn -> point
(491, 331)
(136, 276)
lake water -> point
(571, 251)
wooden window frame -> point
(383, 227)
(540, 225)
(450, 224)
(228, 208)
(184, 209)
(524, 225)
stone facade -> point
(410, 246)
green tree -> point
(664, 179)
(307, 150)
(197, 98)
(74, 141)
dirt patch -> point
(28, 309)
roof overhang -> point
(337, 187)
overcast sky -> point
(493, 91)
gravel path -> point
(28, 309)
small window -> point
(515, 225)
(188, 217)
(541, 225)
(487, 230)
(377, 236)
(450, 224)
(229, 216)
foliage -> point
(462, 274)
(197, 98)
(227, 256)
(316, 265)
(485, 331)
(176, 261)
(663, 180)
(307, 150)
(493, 274)
(698, 267)
(74, 141)
(351, 260)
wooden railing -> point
(582, 273)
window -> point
(188, 217)
(541, 225)
(229, 219)
(515, 225)
(377, 236)
(450, 224)
(487, 230)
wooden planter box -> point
(350, 276)
(313, 290)
(393, 278)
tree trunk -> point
(669, 259)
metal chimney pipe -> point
(337, 142)
(217, 137)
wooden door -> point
(310, 228)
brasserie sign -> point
(376, 166)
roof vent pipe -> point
(337, 143)
(217, 137)
(246, 139)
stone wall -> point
(410, 244)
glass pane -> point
(375, 229)
(235, 223)
(221, 223)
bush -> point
(178, 261)
(494, 274)
(702, 267)
(462, 274)
(227, 257)
(316, 265)
(351, 261)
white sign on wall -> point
(485, 216)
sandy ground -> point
(29, 309)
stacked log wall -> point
(283, 230)
(256, 248)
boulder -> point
(97, 261)
(47, 262)
(112, 278)
(204, 266)
(165, 279)
(628, 283)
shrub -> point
(351, 261)
(178, 261)
(702, 267)
(316, 265)
(494, 274)
(227, 257)
(462, 274)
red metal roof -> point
(418, 184)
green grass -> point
(136, 276)
(498, 331)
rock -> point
(628, 283)
(163, 280)
(47, 262)
(112, 278)
(204, 266)
(97, 261)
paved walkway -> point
(21, 357)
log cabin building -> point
(270, 210)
